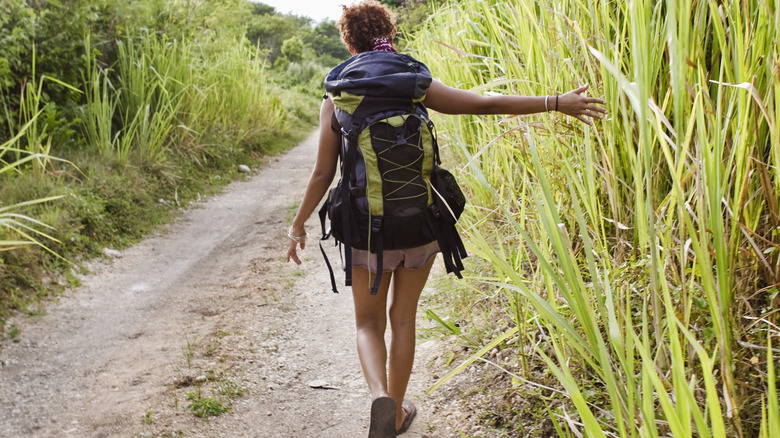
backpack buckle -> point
(376, 224)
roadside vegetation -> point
(624, 277)
(633, 266)
(113, 115)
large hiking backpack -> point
(389, 161)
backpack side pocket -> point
(448, 197)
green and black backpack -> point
(392, 193)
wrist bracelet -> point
(545, 104)
(295, 238)
(556, 103)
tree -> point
(269, 31)
(292, 49)
(41, 39)
(326, 43)
(263, 9)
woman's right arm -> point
(320, 179)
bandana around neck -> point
(382, 44)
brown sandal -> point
(382, 418)
(410, 411)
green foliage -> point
(54, 29)
(206, 406)
(223, 392)
(17, 229)
(392, 3)
(202, 21)
(15, 23)
(259, 8)
(161, 98)
(306, 75)
(269, 31)
(412, 13)
(42, 39)
(325, 44)
(292, 49)
(641, 253)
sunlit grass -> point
(155, 117)
(17, 229)
(649, 245)
(166, 96)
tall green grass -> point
(17, 229)
(165, 95)
(156, 117)
(648, 245)
(29, 151)
(35, 118)
(161, 95)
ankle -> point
(379, 395)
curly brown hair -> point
(362, 22)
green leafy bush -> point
(106, 107)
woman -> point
(366, 26)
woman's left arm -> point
(450, 100)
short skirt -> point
(411, 258)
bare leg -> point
(371, 322)
(407, 286)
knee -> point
(371, 324)
(403, 318)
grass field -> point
(647, 247)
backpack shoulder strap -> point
(325, 236)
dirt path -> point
(208, 308)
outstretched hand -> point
(581, 107)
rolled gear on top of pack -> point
(376, 82)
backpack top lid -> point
(376, 82)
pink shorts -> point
(412, 258)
